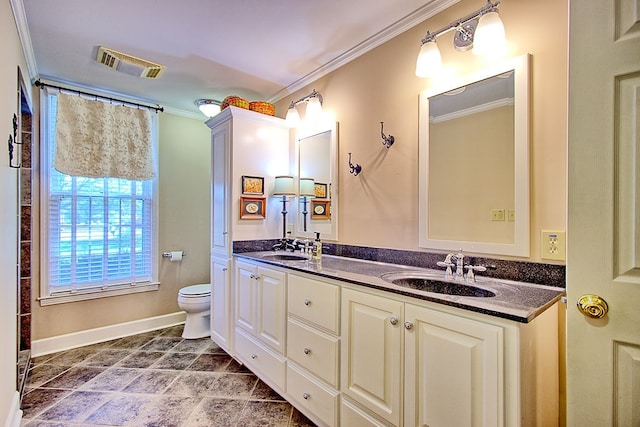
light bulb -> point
(292, 118)
(489, 37)
(314, 109)
(429, 60)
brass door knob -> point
(592, 306)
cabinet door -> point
(271, 308)
(372, 331)
(453, 370)
(245, 296)
(221, 302)
(220, 165)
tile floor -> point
(151, 379)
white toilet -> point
(195, 300)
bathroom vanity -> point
(347, 347)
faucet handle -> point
(471, 269)
(446, 263)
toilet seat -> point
(195, 291)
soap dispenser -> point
(316, 252)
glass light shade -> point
(489, 37)
(314, 109)
(292, 118)
(208, 107)
(284, 186)
(429, 60)
(307, 187)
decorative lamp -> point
(284, 186)
(307, 190)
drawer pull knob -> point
(393, 321)
(408, 325)
(254, 356)
(307, 302)
(306, 396)
(307, 350)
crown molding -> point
(19, 15)
(420, 15)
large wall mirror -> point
(317, 161)
(474, 162)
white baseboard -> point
(105, 333)
(14, 417)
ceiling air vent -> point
(129, 64)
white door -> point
(372, 331)
(221, 302)
(603, 258)
(453, 371)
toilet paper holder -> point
(168, 254)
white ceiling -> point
(260, 50)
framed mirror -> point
(317, 211)
(474, 162)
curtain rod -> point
(40, 84)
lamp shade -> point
(208, 107)
(284, 186)
(429, 60)
(314, 109)
(489, 37)
(307, 187)
(293, 118)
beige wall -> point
(184, 194)
(380, 206)
(12, 58)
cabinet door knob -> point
(306, 396)
(393, 320)
(224, 269)
(254, 356)
(307, 350)
(408, 325)
(307, 302)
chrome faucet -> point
(459, 257)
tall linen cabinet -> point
(244, 143)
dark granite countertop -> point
(517, 301)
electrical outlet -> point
(511, 215)
(497, 214)
(554, 245)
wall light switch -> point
(497, 214)
(554, 245)
(511, 215)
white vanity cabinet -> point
(260, 320)
(221, 301)
(407, 364)
(244, 143)
(313, 347)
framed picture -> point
(252, 184)
(321, 190)
(252, 207)
(320, 209)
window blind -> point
(100, 230)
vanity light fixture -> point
(307, 191)
(208, 107)
(481, 30)
(313, 112)
(387, 140)
(354, 169)
(284, 186)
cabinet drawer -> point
(314, 351)
(312, 397)
(259, 358)
(316, 302)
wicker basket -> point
(235, 101)
(263, 107)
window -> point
(98, 233)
